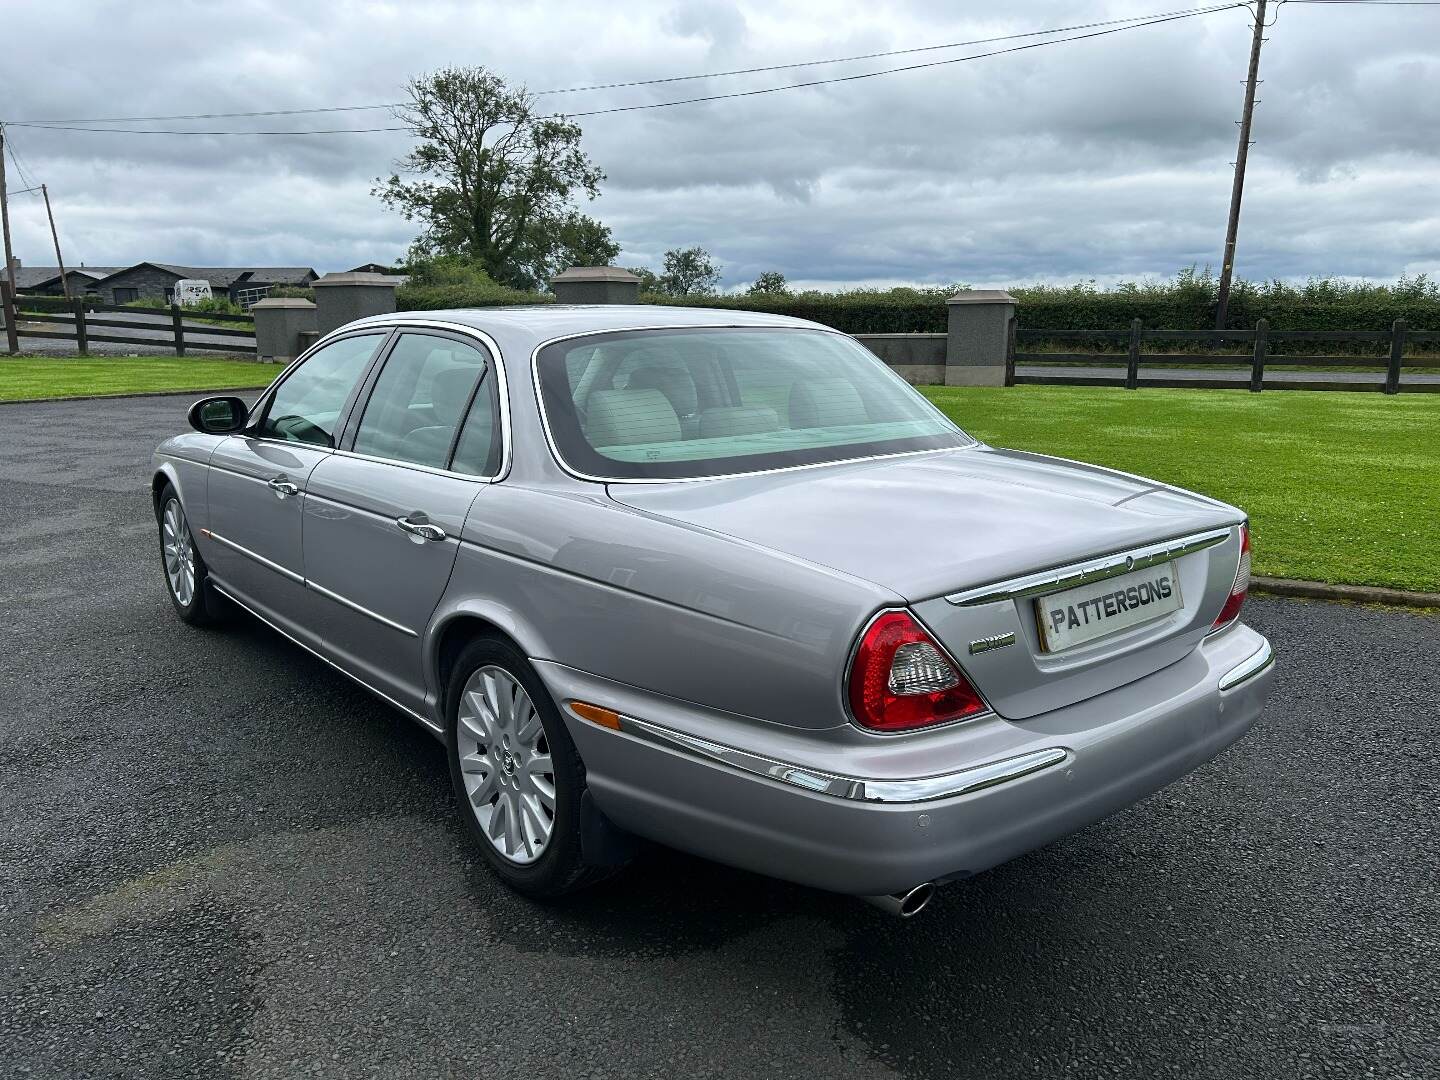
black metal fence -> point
(84, 322)
(1386, 352)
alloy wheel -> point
(179, 551)
(506, 765)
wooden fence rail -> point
(169, 328)
(1262, 340)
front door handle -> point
(417, 525)
(282, 487)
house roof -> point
(33, 277)
(225, 276)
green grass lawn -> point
(45, 377)
(1340, 487)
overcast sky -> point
(1107, 158)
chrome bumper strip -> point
(857, 789)
(1247, 669)
(1082, 573)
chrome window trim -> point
(1093, 569)
(400, 325)
(851, 788)
(431, 469)
(429, 725)
(559, 458)
(269, 564)
(1260, 660)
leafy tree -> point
(574, 240)
(649, 280)
(770, 283)
(493, 180)
(688, 272)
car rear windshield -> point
(694, 402)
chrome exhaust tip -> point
(904, 905)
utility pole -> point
(11, 340)
(1227, 263)
(5, 217)
(64, 282)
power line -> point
(26, 177)
(1372, 3)
(1133, 19)
(879, 55)
(1155, 21)
(910, 67)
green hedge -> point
(1186, 302)
(412, 297)
(862, 311)
(453, 281)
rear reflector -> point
(1240, 587)
(596, 714)
(901, 679)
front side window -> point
(422, 394)
(684, 403)
(306, 407)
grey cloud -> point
(1102, 158)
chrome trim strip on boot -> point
(1088, 570)
(857, 789)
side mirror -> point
(218, 415)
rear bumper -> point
(858, 814)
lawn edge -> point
(1364, 594)
(201, 391)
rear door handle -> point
(419, 526)
(282, 487)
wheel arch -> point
(165, 474)
(454, 629)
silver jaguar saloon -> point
(719, 580)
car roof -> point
(541, 322)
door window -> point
(479, 449)
(419, 399)
(307, 405)
(126, 296)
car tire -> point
(187, 579)
(516, 772)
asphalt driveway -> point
(221, 858)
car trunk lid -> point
(927, 526)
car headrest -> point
(622, 417)
(826, 403)
(672, 380)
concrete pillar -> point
(596, 285)
(979, 332)
(279, 322)
(343, 298)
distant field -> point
(44, 377)
(1340, 487)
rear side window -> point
(423, 392)
(306, 406)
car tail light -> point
(1240, 586)
(901, 678)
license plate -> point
(1087, 612)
